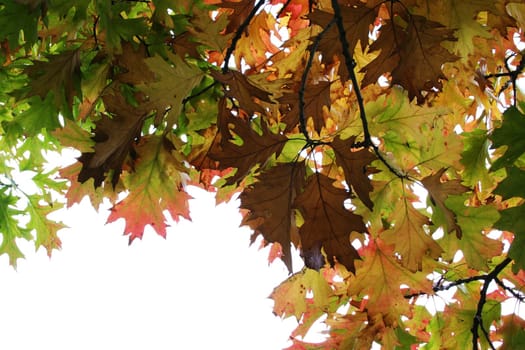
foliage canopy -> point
(384, 139)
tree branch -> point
(487, 279)
(512, 291)
(478, 321)
(350, 65)
(238, 34)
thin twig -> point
(283, 8)
(238, 35)
(512, 291)
(197, 94)
(350, 65)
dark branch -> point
(350, 65)
(238, 34)
(197, 94)
(487, 279)
(478, 321)
(513, 75)
(516, 294)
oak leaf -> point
(355, 166)
(413, 55)
(409, 238)
(244, 91)
(174, 81)
(270, 204)
(154, 186)
(59, 75)
(509, 134)
(380, 276)
(439, 192)
(290, 297)
(255, 148)
(327, 223)
(10, 228)
(316, 97)
(477, 248)
(357, 17)
(114, 137)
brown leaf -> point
(133, 66)
(439, 192)
(327, 224)
(315, 96)
(355, 166)
(357, 19)
(114, 137)
(255, 148)
(241, 10)
(270, 204)
(243, 91)
(59, 75)
(413, 56)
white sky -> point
(201, 288)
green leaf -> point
(513, 220)
(474, 157)
(406, 340)
(116, 26)
(510, 134)
(10, 227)
(512, 185)
(46, 230)
(42, 114)
(16, 18)
(477, 248)
(174, 82)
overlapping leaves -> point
(380, 179)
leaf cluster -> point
(383, 139)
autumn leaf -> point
(176, 76)
(255, 148)
(409, 237)
(243, 90)
(114, 137)
(355, 166)
(512, 185)
(46, 230)
(513, 220)
(270, 204)
(379, 276)
(474, 221)
(317, 97)
(154, 186)
(411, 111)
(357, 20)
(327, 224)
(474, 157)
(291, 296)
(413, 55)
(59, 75)
(439, 192)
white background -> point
(201, 288)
